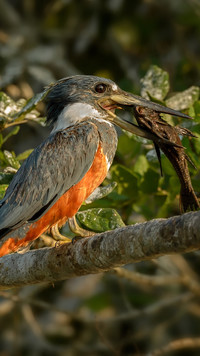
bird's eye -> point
(100, 88)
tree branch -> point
(102, 252)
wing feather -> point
(55, 166)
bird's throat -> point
(73, 114)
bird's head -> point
(73, 99)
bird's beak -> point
(128, 99)
(123, 99)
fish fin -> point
(159, 157)
(190, 161)
(183, 131)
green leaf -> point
(167, 166)
(1, 140)
(196, 111)
(155, 100)
(99, 219)
(11, 159)
(101, 192)
(13, 132)
(174, 186)
(167, 206)
(5, 178)
(31, 104)
(12, 112)
(3, 161)
(196, 144)
(141, 165)
(150, 182)
(126, 181)
(156, 83)
(22, 156)
(127, 146)
(192, 148)
(3, 188)
(196, 186)
(172, 199)
(183, 100)
(8, 106)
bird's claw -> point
(76, 238)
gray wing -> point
(52, 168)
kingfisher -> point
(63, 171)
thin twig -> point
(181, 344)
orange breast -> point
(66, 207)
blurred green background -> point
(40, 42)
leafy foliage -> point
(13, 113)
(100, 220)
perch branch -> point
(102, 252)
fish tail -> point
(188, 200)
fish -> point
(152, 122)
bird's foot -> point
(77, 230)
(23, 250)
(58, 236)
